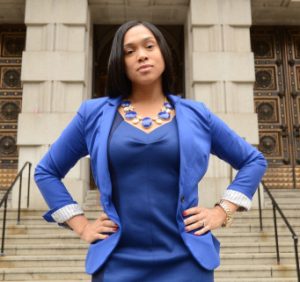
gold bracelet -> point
(229, 213)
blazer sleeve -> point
(251, 164)
(52, 168)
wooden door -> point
(12, 43)
(276, 97)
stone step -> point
(81, 280)
(284, 200)
(237, 236)
(284, 206)
(49, 249)
(94, 191)
(43, 273)
(268, 225)
(38, 239)
(256, 258)
(30, 220)
(92, 197)
(284, 191)
(247, 279)
(257, 247)
(42, 261)
(255, 271)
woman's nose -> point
(142, 56)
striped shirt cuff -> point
(237, 198)
(65, 213)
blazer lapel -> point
(184, 136)
(104, 180)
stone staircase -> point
(248, 255)
(40, 251)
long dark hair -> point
(118, 83)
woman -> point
(149, 149)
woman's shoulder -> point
(95, 102)
(197, 107)
(90, 106)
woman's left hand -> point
(207, 218)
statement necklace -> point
(132, 116)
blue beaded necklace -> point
(131, 114)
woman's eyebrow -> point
(143, 40)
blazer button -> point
(182, 199)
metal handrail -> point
(5, 199)
(294, 235)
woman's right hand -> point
(93, 231)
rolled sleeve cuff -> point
(64, 213)
(237, 198)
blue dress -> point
(144, 168)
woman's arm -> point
(227, 145)
(60, 158)
(251, 166)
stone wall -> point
(56, 75)
(221, 74)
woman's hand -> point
(92, 231)
(206, 218)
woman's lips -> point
(144, 68)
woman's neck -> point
(147, 100)
(147, 95)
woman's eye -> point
(150, 46)
(128, 52)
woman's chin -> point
(147, 81)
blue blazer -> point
(200, 133)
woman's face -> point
(144, 62)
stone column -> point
(221, 75)
(56, 76)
